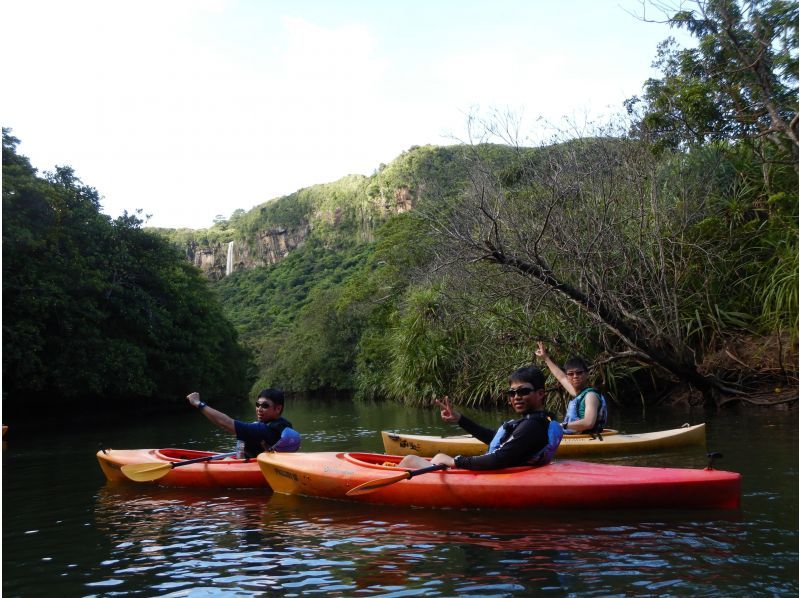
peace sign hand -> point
(448, 413)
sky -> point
(192, 109)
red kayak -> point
(559, 485)
(222, 473)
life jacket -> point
(289, 441)
(554, 435)
(574, 409)
(543, 456)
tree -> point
(96, 309)
(656, 233)
(739, 83)
(537, 228)
(604, 229)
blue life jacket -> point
(503, 433)
(542, 457)
(573, 410)
(288, 443)
(554, 435)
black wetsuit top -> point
(528, 437)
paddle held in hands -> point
(373, 485)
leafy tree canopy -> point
(97, 311)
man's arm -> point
(591, 407)
(485, 435)
(449, 414)
(217, 418)
(557, 372)
(529, 437)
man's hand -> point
(447, 412)
(194, 399)
(541, 352)
(442, 459)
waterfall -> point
(229, 264)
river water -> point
(68, 532)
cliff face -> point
(353, 206)
(269, 247)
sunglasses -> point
(263, 405)
(520, 392)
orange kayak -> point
(559, 485)
(225, 473)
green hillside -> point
(304, 317)
(497, 252)
(662, 246)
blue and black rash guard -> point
(529, 436)
(252, 434)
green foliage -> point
(342, 279)
(753, 230)
(318, 352)
(739, 83)
(95, 308)
(335, 210)
(424, 170)
(422, 350)
(278, 309)
(703, 245)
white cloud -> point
(193, 108)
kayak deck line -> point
(611, 442)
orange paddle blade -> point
(373, 485)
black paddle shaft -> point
(411, 474)
(200, 459)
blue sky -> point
(192, 108)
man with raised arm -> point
(522, 441)
(270, 431)
(587, 412)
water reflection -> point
(66, 531)
(169, 539)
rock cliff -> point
(269, 247)
(354, 206)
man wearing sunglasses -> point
(587, 412)
(516, 442)
(270, 431)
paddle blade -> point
(145, 472)
(373, 485)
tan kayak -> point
(573, 444)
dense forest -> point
(662, 246)
(99, 313)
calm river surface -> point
(67, 532)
